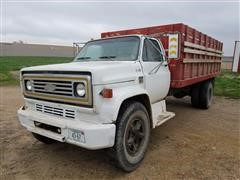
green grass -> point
(228, 84)
(9, 64)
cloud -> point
(65, 23)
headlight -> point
(28, 85)
(80, 89)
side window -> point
(151, 51)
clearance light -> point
(107, 93)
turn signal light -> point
(107, 93)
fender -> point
(108, 111)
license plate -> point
(76, 135)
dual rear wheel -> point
(202, 95)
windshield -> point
(119, 49)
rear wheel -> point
(202, 95)
(195, 96)
(43, 139)
(132, 136)
(206, 95)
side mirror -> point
(165, 63)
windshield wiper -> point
(107, 57)
(83, 58)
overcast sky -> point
(68, 22)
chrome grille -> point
(68, 113)
(53, 87)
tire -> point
(195, 96)
(206, 95)
(132, 136)
(43, 139)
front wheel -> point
(132, 136)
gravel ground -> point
(196, 144)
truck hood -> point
(103, 72)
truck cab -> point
(110, 96)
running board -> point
(163, 117)
(159, 113)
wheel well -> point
(142, 98)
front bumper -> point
(96, 136)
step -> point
(163, 117)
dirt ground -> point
(196, 144)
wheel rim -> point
(135, 135)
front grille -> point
(58, 88)
(67, 113)
(53, 87)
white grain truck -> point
(113, 93)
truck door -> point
(155, 69)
